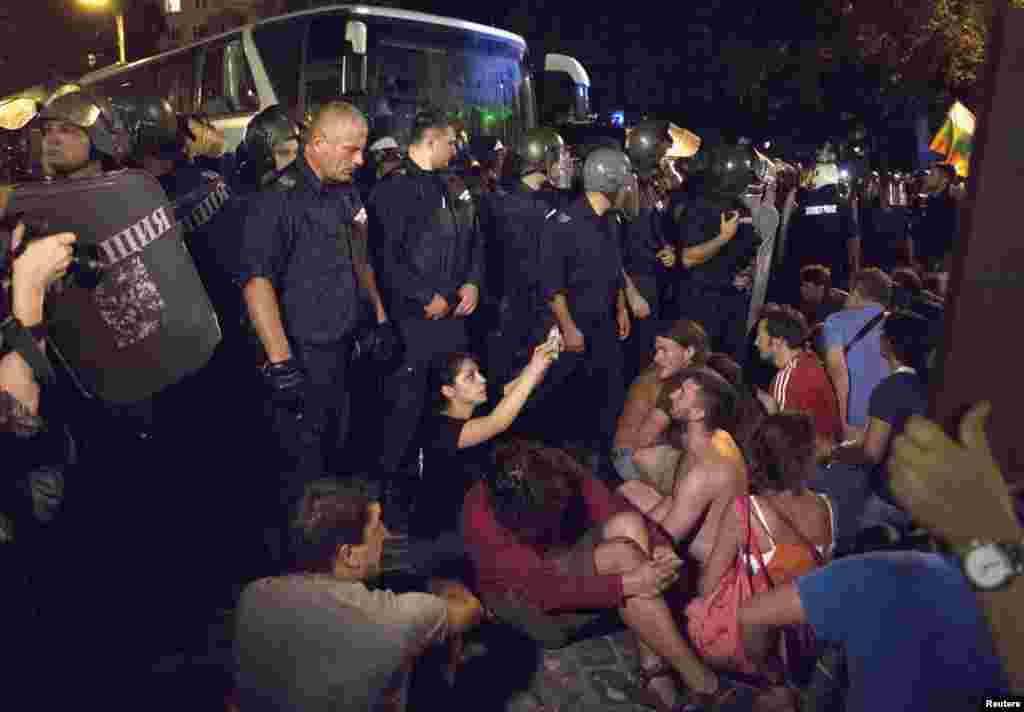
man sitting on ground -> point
(555, 551)
(711, 474)
(320, 638)
(685, 345)
(801, 383)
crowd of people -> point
(684, 396)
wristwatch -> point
(991, 565)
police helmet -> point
(542, 146)
(728, 171)
(94, 115)
(647, 144)
(152, 124)
(268, 128)
(606, 171)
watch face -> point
(988, 567)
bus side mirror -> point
(355, 35)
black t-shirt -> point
(899, 396)
(448, 474)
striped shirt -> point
(803, 385)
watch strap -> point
(24, 340)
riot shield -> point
(148, 322)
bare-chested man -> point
(712, 472)
(640, 428)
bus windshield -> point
(477, 77)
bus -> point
(564, 91)
(389, 62)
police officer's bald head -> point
(335, 141)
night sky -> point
(685, 62)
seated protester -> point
(750, 411)
(712, 473)
(801, 383)
(855, 365)
(818, 300)
(554, 551)
(685, 345)
(457, 447)
(903, 393)
(781, 524)
(911, 627)
(319, 638)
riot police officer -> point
(581, 279)
(648, 253)
(428, 255)
(301, 291)
(271, 144)
(519, 210)
(82, 136)
(822, 230)
(719, 244)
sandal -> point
(728, 696)
(647, 697)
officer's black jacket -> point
(821, 225)
(516, 215)
(644, 235)
(703, 223)
(425, 239)
(581, 258)
(298, 235)
(935, 228)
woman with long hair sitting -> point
(780, 531)
(457, 444)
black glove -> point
(385, 343)
(286, 383)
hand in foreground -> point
(955, 489)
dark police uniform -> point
(819, 232)
(426, 241)
(580, 257)
(517, 218)
(934, 228)
(298, 235)
(706, 292)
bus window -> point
(280, 46)
(325, 52)
(214, 100)
(241, 86)
(474, 77)
(175, 81)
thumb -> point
(972, 428)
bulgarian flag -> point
(954, 140)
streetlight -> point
(118, 20)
